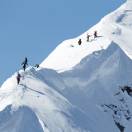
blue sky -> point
(33, 28)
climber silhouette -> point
(37, 65)
(95, 34)
(24, 63)
(79, 41)
(88, 37)
(18, 78)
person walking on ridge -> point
(25, 63)
(37, 65)
(95, 34)
(88, 37)
(18, 78)
(79, 41)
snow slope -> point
(54, 113)
(66, 102)
(97, 75)
(77, 88)
(19, 120)
(116, 26)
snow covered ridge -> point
(80, 100)
(116, 26)
(78, 88)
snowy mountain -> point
(116, 27)
(78, 88)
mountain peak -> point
(80, 85)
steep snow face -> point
(95, 81)
(97, 76)
(20, 120)
(117, 27)
(99, 73)
(44, 108)
(70, 101)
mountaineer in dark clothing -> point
(79, 41)
(88, 37)
(25, 63)
(37, 65)
(18, 78)
(95, 34)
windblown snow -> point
(78, 88)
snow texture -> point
(78, 87)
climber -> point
(24, 64)
(95, 34)
(88, 37)
(18, 78)
(79, 41)
(37, 65)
